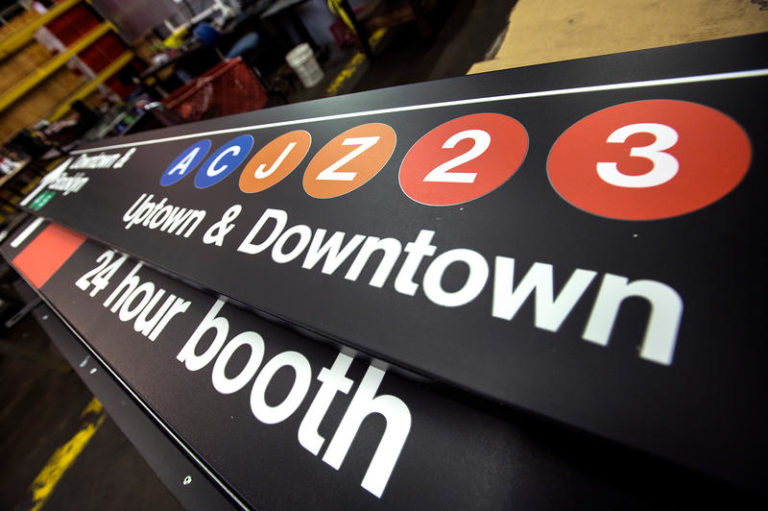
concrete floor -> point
(465, 33)
(41, 398)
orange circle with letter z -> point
(349, 161)
(275, 161)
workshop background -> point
(76, 70)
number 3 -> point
(665, 166)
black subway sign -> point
(576, 239)
(277, 420)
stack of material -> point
(39, 101)
(7, 29)
(555, 30)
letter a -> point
(183, 166)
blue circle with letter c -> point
(185, 162)
(224, 161)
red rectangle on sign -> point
(47, 253)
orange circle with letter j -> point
(275, 161)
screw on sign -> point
(649, 160)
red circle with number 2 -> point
(463, 159)
(648, 160)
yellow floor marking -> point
(62, 459)
(355, 62)
(93, 407)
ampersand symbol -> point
(216, 233)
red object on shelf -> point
(102, 52)
(73, 24)
(76, 23)
(227, 88)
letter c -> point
(224, 161)
(213, 170)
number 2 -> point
(100, 275)
(440, 173)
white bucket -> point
(302, 61)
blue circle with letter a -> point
(224, 161)
(185, 162)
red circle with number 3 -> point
(649, 160)
(463, 159)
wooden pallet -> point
(555, 30)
